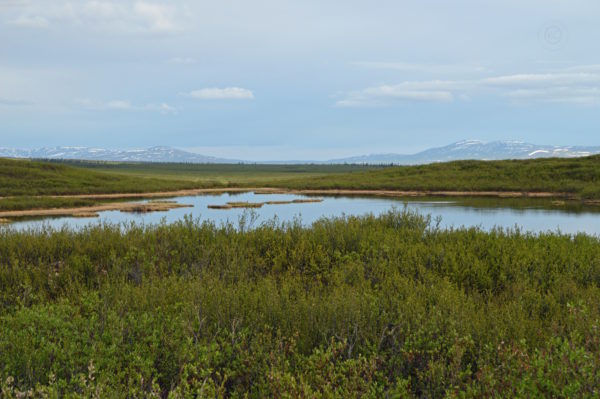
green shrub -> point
(388, 306)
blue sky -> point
(276, 79)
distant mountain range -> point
(476, 149)
(153, 154)
(467, 149)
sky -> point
(280, 79)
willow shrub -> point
(387, 306)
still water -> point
(454, 213)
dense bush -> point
(387, 306)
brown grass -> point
(219, 206)
(389, 193)
(85, 215)
(245, 204)
(307, 200)
(117, 206)
(156, 206)
(270, 191)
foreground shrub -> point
(387, 306)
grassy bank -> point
(576, 178)
(357, 307)
(254, 175)
(30, 184)
(30, 178)
(25, 202)
(580, 177)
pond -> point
(528, 215)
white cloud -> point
(157, 17)
(544, 80)
(125, 105)
(581, 88)
(30, 21)
(163, 108)
(416, 67)
(119, 104)
(227, 93)
(560, 87)
(427, 91)
(564, 95)
(585, 68)
(104, 15)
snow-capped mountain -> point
(467, 149)
(153, 154)
(476, 149)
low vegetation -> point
(21, 203)
(579, 177)
(29, 178)
(219, 175)
(388, 306)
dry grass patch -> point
(219, 206)
(155, 206)
(86, 215)
(307, 200)
(245, 204)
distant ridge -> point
(152, 154)
(466, 149)
(476, 149)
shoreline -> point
(91, 211)
(132, 206)
(349, 192)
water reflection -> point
(530, 215)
